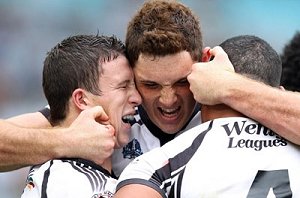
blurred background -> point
(29, 29)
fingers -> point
(110, 129)
(96, 113)
(218, 53)
(206, 54)
(221, 58)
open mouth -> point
(130, 119)
(169, 112)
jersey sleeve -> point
(142, 170)
(56, 180)
(161, 166)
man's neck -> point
(156, 131)
(210, 112)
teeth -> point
(129, 119)
(169, 111)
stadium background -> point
(28, 29)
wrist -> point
(62, 145)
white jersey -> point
(143, 139)
(223, 158)
(69, 178)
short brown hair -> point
(163, 27)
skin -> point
(36, 146)
(137, 191)
(168, 101)
(215, 82)
(39, 145)
(171, 93)
(118, 96)
(34, 119)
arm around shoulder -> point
(20, 147)
(216, 82)
(137, 191)
(277, 109)
(30, 120)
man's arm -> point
(30, 120)
(85, 138)
(279, 110)
(137, 191)
(215, 82)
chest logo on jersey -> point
(105, 194)
(235, 131)
(132, 150)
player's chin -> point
(122, 141)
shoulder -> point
(68, 178)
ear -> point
(206, 54)
(80, 99)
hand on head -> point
(206, 56)
(208, 78)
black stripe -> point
(95, 166)
(103, 180)
(188, 153)
(96, 181)
(80, 169)
(179, 183)
(45, 112)
(96, 175)
(178, 161)
(172, 191)
(45, 181)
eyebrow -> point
(125, 82)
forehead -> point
(117, 69)
(166, 69)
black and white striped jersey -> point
(224, 158)
(69, 178)
(145, 136)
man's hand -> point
(207, 79)
(90, 137)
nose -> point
(135, 97)
(167, 96)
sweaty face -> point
(118, 96)
(162, 83)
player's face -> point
(162, 83)
(119, 96)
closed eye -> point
(151, 85)
(183, 82)
(124, 85)
(127, 84)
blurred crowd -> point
(28, 29)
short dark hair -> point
(290, 57)
(255, 58)
(75, 63)
(163, 27)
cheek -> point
(184, 91)
(147, 93)
(187, 97)
(116, 105)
